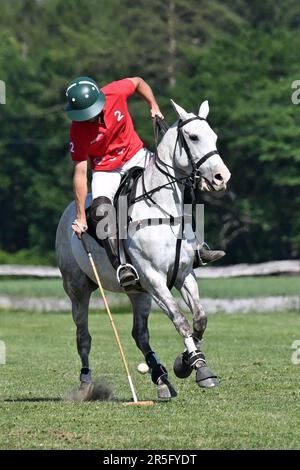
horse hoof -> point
(205, 378)
(181, 367)
(85, 392)
(85, 385)
(85, 376)
(95, 391)
(165, 390)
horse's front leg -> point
(168, 303)
(185, 362)
(190, 294)
(141, 304)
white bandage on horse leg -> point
(190, 344)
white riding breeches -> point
(106, 183)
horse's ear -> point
(182, 114)
(203, 110)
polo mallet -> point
(134, 395)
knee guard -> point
(103, 217)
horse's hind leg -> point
(183, 363)
(79, 289)
(141, 304)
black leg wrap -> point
(185, 363)
(85, 376)
(158, 371)
(196, 359)
(152, 359)
(159, 376)
(182, 368)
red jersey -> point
(113, 143)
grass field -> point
(255, 407)
(214, 288)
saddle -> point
(128, 185)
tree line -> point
(241, 55)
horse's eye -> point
(194, 137)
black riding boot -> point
(205, 255)
(102, 208)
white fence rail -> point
(248, 305)
(29, 271)
(262, 269)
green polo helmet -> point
(85, 99)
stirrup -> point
(134, 272)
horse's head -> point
(197, 153)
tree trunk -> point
(172, 43)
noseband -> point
(196, 174)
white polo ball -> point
(142, 368)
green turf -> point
(256, 406)
(214, 288)
(250, 286)
(31, 287)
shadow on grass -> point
(32, 400)
(118, 401)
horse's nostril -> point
(219, 177)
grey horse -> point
(187, 152)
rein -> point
(196, 174)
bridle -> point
(196, 174)
(189, 181)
